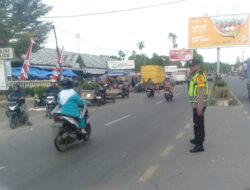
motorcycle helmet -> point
(67, 83)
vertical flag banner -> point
(26, 63)
(58, 70)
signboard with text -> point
(120, 65)
(180, 55)
(6, 53)
(219, 31)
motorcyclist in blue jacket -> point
(70, 102)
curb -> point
(237, 100)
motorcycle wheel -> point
(13, 122)
(60, 145)
(87, 135)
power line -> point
(117, 11)
(87, 42)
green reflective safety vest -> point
(193, 87)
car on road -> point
(210, 77)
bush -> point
(221, 92)
(40, 91)
(29, 91)
(220, 83)
(90, 86)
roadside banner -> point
(26, 63)
(180, 55)
(219, 31)
(120, 65)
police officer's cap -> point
(194, 62)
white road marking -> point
(248, 117)
(148, 173)
(37, 109)
(245, 112)
(1, 168)
(112, 122)
(158, 102)
(187, 126)
(167, 150)
(179, 135)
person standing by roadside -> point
(198, 96)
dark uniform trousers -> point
(199, 127)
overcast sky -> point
(106, 34)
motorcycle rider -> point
(17, 93)
(70, 102)
(167, 84)
(150, 85)
(52, 89)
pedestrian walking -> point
(198, 96)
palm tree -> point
(172, 37)
(141, 46)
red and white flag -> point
(58, 71)
(26, 63)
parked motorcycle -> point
(69, 131)
(14, 112)
(40, 101)
(150, 92)
(168, 95)
(50, 103)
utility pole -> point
(57, 49)
(78, 42)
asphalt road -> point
(127, 137)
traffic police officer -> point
(198, 96)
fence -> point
(30, 83)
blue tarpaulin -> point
(40, 73)
(118, 73)
(69, 73)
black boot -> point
(193, 141)
(197, 148)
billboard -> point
(180, 55)
(219, 31)
(120, 65)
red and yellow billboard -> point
(180, 55)
(219, 31)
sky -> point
(106, 34)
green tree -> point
(121, 54)
(20, 22)
(157, 60)
(172, 37)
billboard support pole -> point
(218, 61)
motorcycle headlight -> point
(12, 108)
